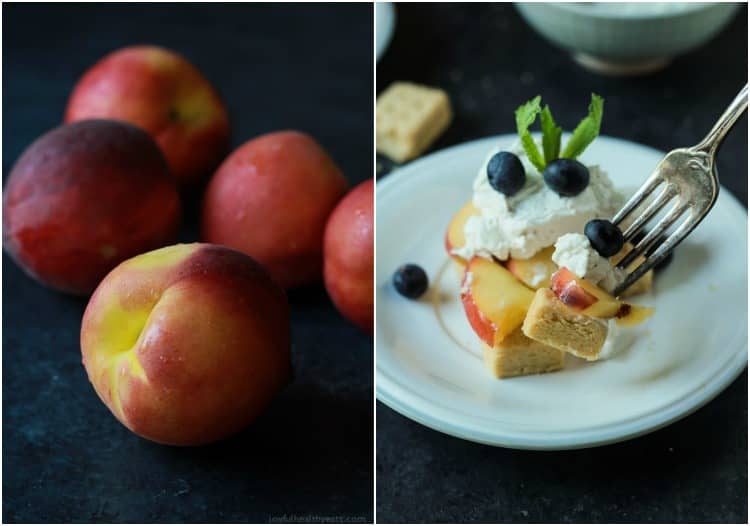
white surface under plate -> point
(429, 365)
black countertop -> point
(310, 456)
(489, 61)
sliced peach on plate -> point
(536, 272)
(495, 302)
(454, 236)
(582, 295)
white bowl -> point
(385, 20)
(627, 38)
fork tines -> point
(655, 245)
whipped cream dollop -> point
(618, 340)
(574, 252)
(521, 225)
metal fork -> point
(686, 176)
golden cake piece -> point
(517, 355)
(553, 323)
(408, 118)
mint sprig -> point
(525, 117)
(584, 134)
(587, 130)
(551, 134)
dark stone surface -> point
(695, 470)
(309, 457)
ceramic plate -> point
(385, 19)
(429, 365)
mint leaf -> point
(587, 129)
(525, 117)
(551, 134)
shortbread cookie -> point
(553, 323)
(518, 355)
(409, 117)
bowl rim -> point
(580, 9)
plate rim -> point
(396, 398)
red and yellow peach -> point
(271, 199)
(161, 92)
(348, 256)
(187, 344)
(84, 197)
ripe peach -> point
(162, 93)
(187, 344)
(271, 199)
(582, 295)
(84, 197)
(566, 288)
(348, 256)
(454, 235)
(494, 301)
(535, 272)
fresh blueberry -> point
(566, 177)
(637, 238)
(505, 173)
(410, 280)
(664, 263)
(605, 237)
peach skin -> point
(271, 199)
(84, 197)
(187, 344)
(161, 92)
(348, 256)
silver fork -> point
(686, 176)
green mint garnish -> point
(587, 129)
(525, 117)
(551, 134)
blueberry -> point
(664, 263)
(410, 280)
(605, 237)
(505, 173)
(566, 177)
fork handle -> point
(712, 141)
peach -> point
(161, 92)
(494, 301)
(84, 197)
(454, 235)
(187, 344)
(536, 271)
(582, 295)
(271, 199)
(348, 256)
(567, 289)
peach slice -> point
(584, 296)
(495, 302)
(536, 271)
(454, 236)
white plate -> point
(385, 19)
(429, 365)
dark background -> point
(490, 61)
(310, 456)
